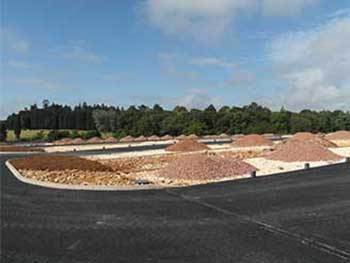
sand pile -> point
(181, 137)
(187, 145)
(201, 167)
(111, 140)
(192, 136)
(166, 137)
(78, 141)
(224, 136)
(310, 137)
(153, 138)
(140, 139)
(127, 139)
(339, 135)
(63, 141)
(298, 151)
(94, 140)
(252, 140)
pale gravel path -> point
(342, 151)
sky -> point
(291, 53)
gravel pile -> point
(339, 135)
(78, 141)
(192, 136)
(94, 140)
(310, 137)
(187, 145)
(304, 136)
(140, 139)
(167, 137)
(200, 167)
(63, 141)
(252, 140)
(298, 151)
(153, 138)
(181, 137)
(54, 163)
(127, 139)
(111, 139)
(224, 136)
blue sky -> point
(291, 53)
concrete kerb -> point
(24, 179)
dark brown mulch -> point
(54, 163)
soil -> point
(339, 135)
(20, 149)
(167, 137)
(192, 136)
(54, 163)
(310, 137)
(181, 137)
(63, 141)
(95, 140)
(111, 139)
(251, 141)
(78, 141)
(140, 139)
(304, 136)
(205, 167)
(298, 151)
(127, 139)
(153, 138)
(187, 145)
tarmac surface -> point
(293, 217)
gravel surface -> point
(205, 167)
(251, 141)
(295, 151)
(342, 151)
(187, 145)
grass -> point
(30, 135)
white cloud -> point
(208, 21)
(242, 78)
(12, 41)
(40, 83)
(314, 65)
(78, 52)
(286, 7)
(19, 64)
(212, 61)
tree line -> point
(144, 120)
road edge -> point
(26, 180)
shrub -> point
(39, 136)
(74, 134)
(57, 135)
(3, 131)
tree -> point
(17, 127)
(3, 131)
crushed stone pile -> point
(167, 137)
(54, 163)
(224, 136)
(339, 135)
(127, 139)
(204, 167)
(310, 137)
(153, 138)
(140, 139)
(192, 136)
(78, 141)
(181, 137)
(252, 140)
(63, 141)
(298, 151)
(187, 145)
(111, 139)
(94, 140)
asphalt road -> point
(292, 217)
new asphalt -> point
(293, 217)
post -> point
(347, 159)
(307, 166)
(253, 174)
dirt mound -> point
(153, 138)
(63, 141)
(339, 135)
(192, 136)
(187, 145)
(204, 167)
(252, 140)
(127, 139)
(94, 140)
(78, 141)
(304, 136)
(181, 137)
(140, 139)
(167, 137)
(298, 151)
(224, 136)
(111, 139)
(20, 149)
(54, 163)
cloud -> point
(314, 65)
(13, 42)
(207, 21)
(242, 78)
(19, 64)
(212, 61)
(198, 99)
(40, 83)
(78, 52)
(286, 8)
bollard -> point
(307, 166)
(253, 174)
(347, 159)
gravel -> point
(205, 167)
(94, 140)
(298, 151)
(187, 145)
(339, 135)
(251, 141)
(310, 137)
(127, 139)
(111, 139)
